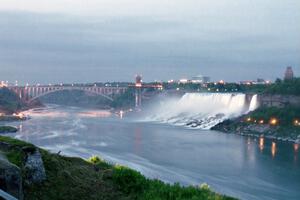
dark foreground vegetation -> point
(75, 178)
(282, 123)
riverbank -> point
(40, 174)
(270, 122)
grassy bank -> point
(75, 178)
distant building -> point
(200, 79)
(289, 74)
(259, 81)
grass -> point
(70, 178)
(16, 157)
(138, 187)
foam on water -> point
(202, 110)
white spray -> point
(201, 110)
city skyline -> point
(99, 41)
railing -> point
(6, 196)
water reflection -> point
(296, 147)
(90, 114)
(273, 149)
(21, 127)
(121, 114)
(261, 143)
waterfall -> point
(253, 103)
(201, 110)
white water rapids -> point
(202, 110)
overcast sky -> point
(54, 41)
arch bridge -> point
(30, 93)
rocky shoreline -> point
(237, 126)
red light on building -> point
(138, 85)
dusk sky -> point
(68, 41)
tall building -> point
(289, 74)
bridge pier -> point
(138, 91)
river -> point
(242, 167)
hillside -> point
(273, 122)
(52, 176)
(9, 101)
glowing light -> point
(138, 85)
(183, 80)
(297, 122)
(261, 121)
(268, 82)
(3, 84)
(222, 82)
(19, 115)
(249, 119)
(273, 121)
(177, 89)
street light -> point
(297, 122)
(273, 121)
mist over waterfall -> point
(201, 110)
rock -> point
(29, 149)
(34, 168)
(10, 178)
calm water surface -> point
(243, 167)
